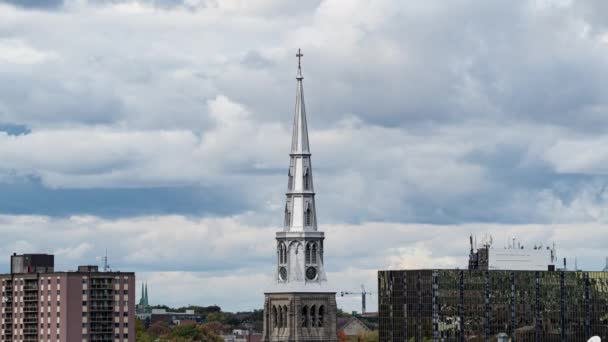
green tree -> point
(159, 329)
(140, 332)
(370, 336)
(193, 333)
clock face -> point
(283, 273)
(311, 273)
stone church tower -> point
(300, 306)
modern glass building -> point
(476, 305)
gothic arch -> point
(314, 253)
(308, 253)
(285, 320)
(306, 179)
(287, 216)
(320, 316)
(282, 253)
(308, 215)
(313, 316)
(295, 246)
(274, 317)
(280, 316)
(304, 316)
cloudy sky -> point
(159, 130)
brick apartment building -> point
(39, 304)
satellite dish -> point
(595, 339)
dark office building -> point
(475, 305)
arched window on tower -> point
(281, 253)
(306, 179)
(287, 216)
(275, 322)
(289, 180)
(285, 320)
(321, 251)
(308, 216)
(308, 253)
(305, 316)
(313, 316)
(320, 316)
(280, 317)
(314, 253)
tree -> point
(370, 336)
(193, 333)
(342, 336)
(140, 332)
(159, 329)
(214, 327)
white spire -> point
(300, 244)
(299, 140)
(300, 213)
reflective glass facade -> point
(473, 305)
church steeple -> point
(300, 212)
(146, 295)
(300, 244)
(300, 306)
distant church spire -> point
(146, 294)
(143, 292)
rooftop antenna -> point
(106, 266)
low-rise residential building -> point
(352, 327)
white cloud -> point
(582, 155)
(229, 261)
(18, 52)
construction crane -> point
(363, 294)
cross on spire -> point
(299, 55)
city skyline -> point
(159, 130)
